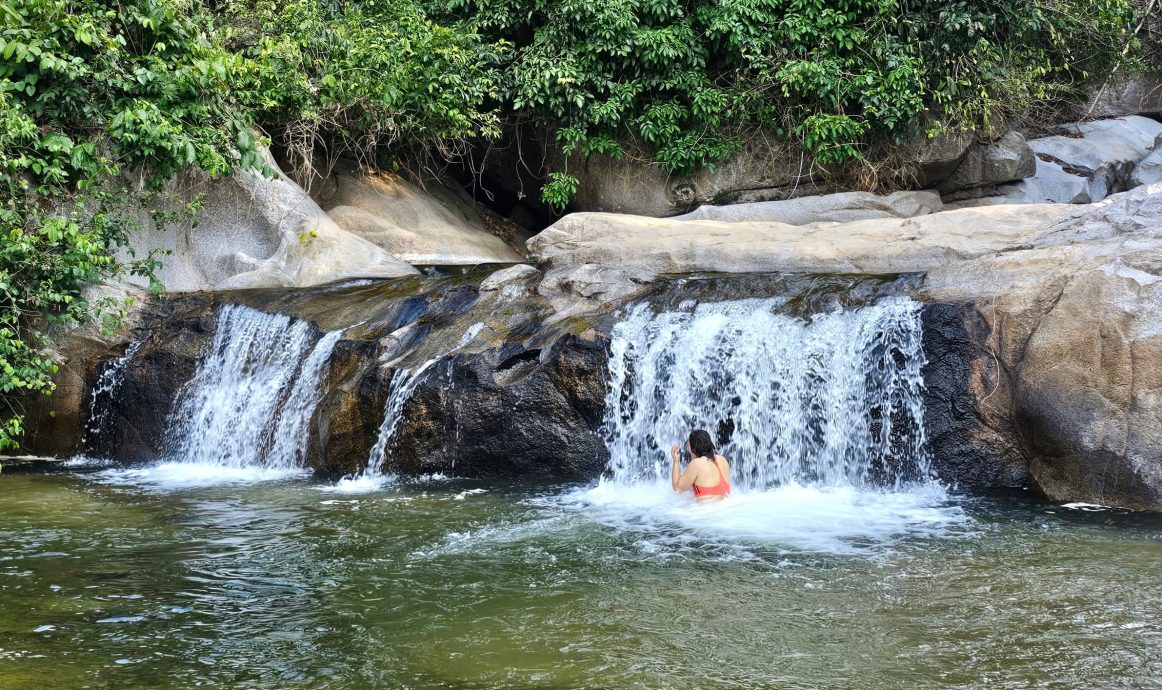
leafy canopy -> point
(688, 77)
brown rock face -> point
(431, 225)
(1074, 325)
(1089, 393)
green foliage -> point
(102, 102)
(559, 189)
(89, 89)
(685, 77)
(362, 78)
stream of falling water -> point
(403, 384)
(822, 419)
(103, 396)
(246, 412)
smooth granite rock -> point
(256, 231)
(432, 225)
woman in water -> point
(707, 473)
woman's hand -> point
(674, 453)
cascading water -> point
(244, 415)
(834, 400)
(822, 419)
(403, 384)
(253, 395)
(103, 396)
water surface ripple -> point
(440, 583)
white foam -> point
(839, 520)
(85, 461)
(1085, 506)
(360, 484)
(469, 492)
(183, 475)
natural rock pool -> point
(166, 578)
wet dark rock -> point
(967, 402)
(177, 333)
(534, 414)
(348, 416)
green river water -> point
(107, 582)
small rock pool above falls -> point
(438, 544)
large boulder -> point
(1149, 169)
(420, 225)
(832, 208)
(256, 231)
(1073, 332)
(878, 245)
(1007, 159)
(1051, 183)
(1137, 95)
(529, 411)
(766, 168)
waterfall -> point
(830, 400)
(252, 397)
(104, 395)
(403, 384)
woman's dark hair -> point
(701, 445)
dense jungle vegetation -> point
(103, 102)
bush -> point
(362, 79)
(688, 76)
(96, 96)
(88, 91)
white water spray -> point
(822, 419)
(834, 400)
(403, 384)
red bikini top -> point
(722, 488)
